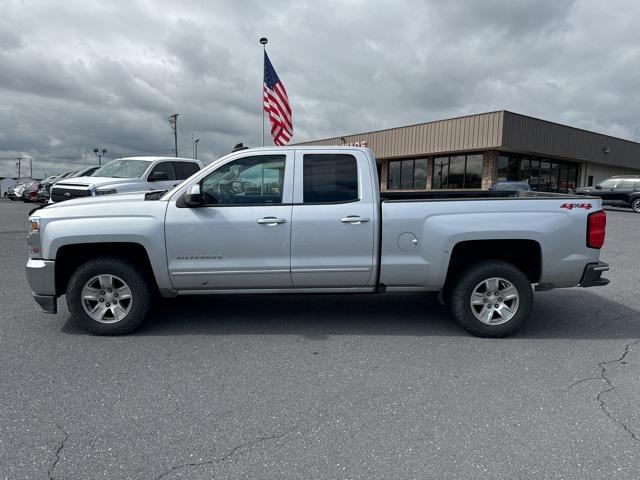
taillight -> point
(596, 229)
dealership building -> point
(475, 151)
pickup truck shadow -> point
(568, 313)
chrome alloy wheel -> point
(106, 298)
(636, 205)
(495, 301)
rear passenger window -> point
(330, 178)
(185, 169)
(628, 184)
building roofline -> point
(467, 116)
(402, 126)
(570, 126)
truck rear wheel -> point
(491, 298)
(108, 296)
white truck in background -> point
(132, 174)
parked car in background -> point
(126, 175)
(620, 191)
(11, 193)
(30, 192)
(85, 172)
(16, 194)
(45, 186)
(513, 186)
(43, 191)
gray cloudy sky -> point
(79, 73)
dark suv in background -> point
(619, 191)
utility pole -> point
(173, 120)
(19, 159)
(195, 144)
(30, 168)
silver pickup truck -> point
(311, 220)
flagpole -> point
(263, 41)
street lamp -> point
(99, 154)
(195, 143)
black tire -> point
(474, 275)
(635, 205)
(135, 280)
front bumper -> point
(592, 275)
(41, 276)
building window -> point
(407, 174)
(542, 174)
(458, 171)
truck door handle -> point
(271, 221)
(355, 219)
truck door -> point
(241, 237)
(334, 220)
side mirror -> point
(193, 197)
(598, 187)
(158, 176)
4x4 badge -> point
(571, 206)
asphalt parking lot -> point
(322, 387)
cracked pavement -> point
(361, 387)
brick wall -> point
(489, 168)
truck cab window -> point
(185, 169)
(166, 167)
(246, 181)
(330, 178)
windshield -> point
(122, 169)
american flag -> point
(276, 104)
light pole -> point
(173, 120)
(99, 154)
(263, 42)
(195, 144)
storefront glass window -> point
(460, 171)
(473, 175)
(407, 174)
(542, 174)
(456, 172)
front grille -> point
(59, 194)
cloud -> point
(83, 74)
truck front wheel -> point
(491, 298)
(108, 296)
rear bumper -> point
(41, 277)
(592, 276)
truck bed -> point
(470, 195)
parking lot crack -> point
(611, 387)
(65, 437)
(233, 451)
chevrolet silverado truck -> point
(305, 219)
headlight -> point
(34, 224)
(106, 192)
(33, 238)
